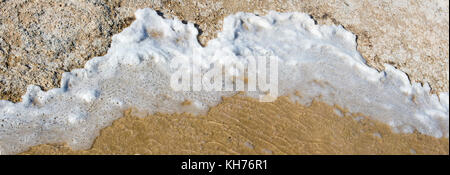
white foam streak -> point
(321, 62)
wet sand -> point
(241, 125)
(412, 37)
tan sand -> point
(41, 39)
(240, 125)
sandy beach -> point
(241, 125)
(411, 37)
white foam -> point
(321, 62)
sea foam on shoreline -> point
(320, 62)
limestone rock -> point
(41, 39)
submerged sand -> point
(241, 125)
(413, 37)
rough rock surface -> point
(40, 39)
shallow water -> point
(314, 62)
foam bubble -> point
(318, 62)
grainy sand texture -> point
(41, 39)
(240, 125)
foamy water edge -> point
(320, 62)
